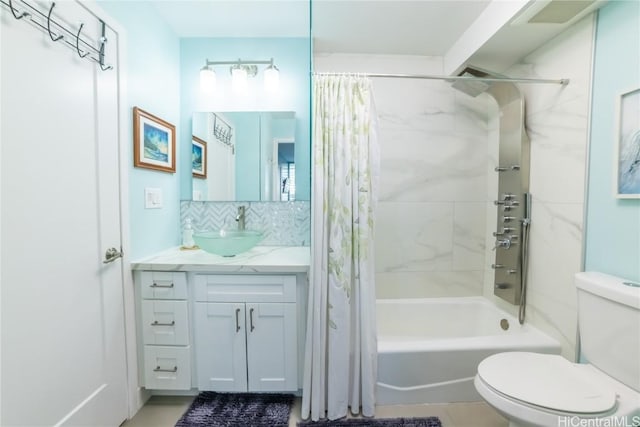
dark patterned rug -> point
(376, 422)
(238, 410)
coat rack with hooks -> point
(85, 48)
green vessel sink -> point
(227, 242)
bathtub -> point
(429, 349)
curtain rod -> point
(452, 78)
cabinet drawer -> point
(245, 288)
(165, 322)
(163, 285)
(167, 368)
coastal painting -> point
(628, 146)
(154, 142)
(199, 157)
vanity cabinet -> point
(222, 324)
(246, 333)
(164, 327)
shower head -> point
(473, 87)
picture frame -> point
(198, 157)
(154, 142)
(627, 146)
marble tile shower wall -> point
(284, 223)
(430, 239)
(557, 123)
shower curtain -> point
(341, 348)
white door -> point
(221, 351)
(272, 351)
(63, 345)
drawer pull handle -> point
(156, 323)
(251, 319)
(155, 285)
(159, 369)
(237, 319)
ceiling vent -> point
(556, 11)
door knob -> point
(111, 255)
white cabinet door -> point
(220, 346)
(272, 346)
(63, 345)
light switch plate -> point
(152, 198)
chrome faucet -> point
(240, 218)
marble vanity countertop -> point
(260, 259)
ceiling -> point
(427, 27)
(491, 34)
(415, 27)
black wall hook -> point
(80, 54)
(15, 12)
(54, 37)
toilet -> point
(532, 389)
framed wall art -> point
(627, 158)
(154, 142)
(199, 157)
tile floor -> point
(164, 411)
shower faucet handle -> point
(502, 243)
(507, 168)
(508, 218)
(508, 196)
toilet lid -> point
(546, 380)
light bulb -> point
(239, 79)
(207, 79)
(271, 78)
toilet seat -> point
(548, 382)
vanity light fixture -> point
(240, 71)
(207, 79)
(271, 78)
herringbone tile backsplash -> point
(284, 223)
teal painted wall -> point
(291, 55)
(613, 225)
(153, 84)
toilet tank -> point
(609, 324)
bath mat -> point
(376, 422)
(238, 410)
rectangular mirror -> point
(247, 156)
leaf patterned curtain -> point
(341, 347)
